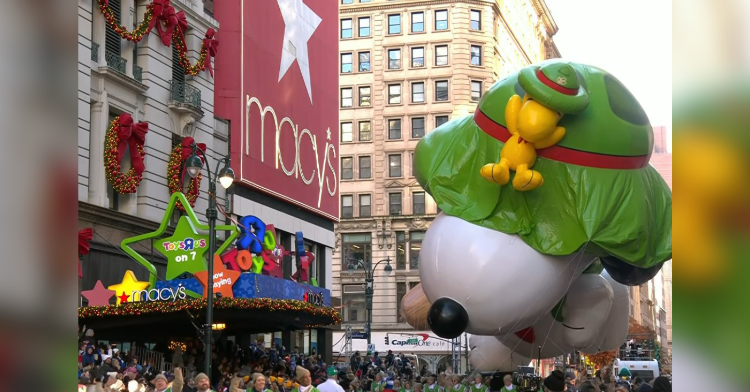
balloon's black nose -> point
(447, 318)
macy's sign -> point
(323, 170)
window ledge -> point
(441, 66)
(394, 69)
(418, 103)
(417, 32)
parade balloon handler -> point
(601, 201)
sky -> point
(631, 40)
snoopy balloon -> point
(499, 259)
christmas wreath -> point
(172, 26)
(122, 134)
(176, 173)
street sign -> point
(359, 335)
(371, 348)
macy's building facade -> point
(277, 87)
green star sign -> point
(184, 250)
(187, 227)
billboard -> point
(277, 84)
(399, 341)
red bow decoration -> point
(186, 150)
(182, 23)
(84, 246)
(131, 135)
(212, 46)
(165, 19)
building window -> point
(440, 120)
(400, 250)
(394, 165)
(364, 26)
(417, 200)
(112, 40)
(346, 28)
(417, 22)
(441, 90)
(417, 57)
(394, 129)
(347, 209)
(364, 96)
(347, 1)
(394, 24)
(347, 168)
(394, 58)
(346, 97)
(413, 164)
(364, 61)
(417, 127)
(417, 92)
(364, 206)
(400, 293)
(476, 90)
(356, 247)
(415, 245)
(347, 136)
(476, 20)
(394, 94)
(394, 203)
(365, 168)
(346, 63)
(441, 55)
(441, 20)
(365, 131)
(353, 298)
(476, 55)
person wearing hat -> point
(555, 382)
(304, 381)
(331, 384)
(551, 90)
(388, 385)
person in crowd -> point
(478, 385)
(305, 381)
(408, 387)
(507, 384)
(388, 386)
(555, 382)
(662, 384)
(455, 383)
(589, 386)
(570, 382)
(432, 385)
(331, 384)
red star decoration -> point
(98, 296)
(224, 277)
(124, 298)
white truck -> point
(645, 368)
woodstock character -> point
(551, 91)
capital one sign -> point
(277, 84)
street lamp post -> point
(369, 288)
(194, 165)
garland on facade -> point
(124, 134)
(171, 25)
(176, 172)
(197, 304)
(143, 29)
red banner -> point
(278, 87)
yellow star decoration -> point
(125, 288)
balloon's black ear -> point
(628, 274)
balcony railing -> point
(95, 52)
(116, 62)
(137, 73)
(185, 93)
